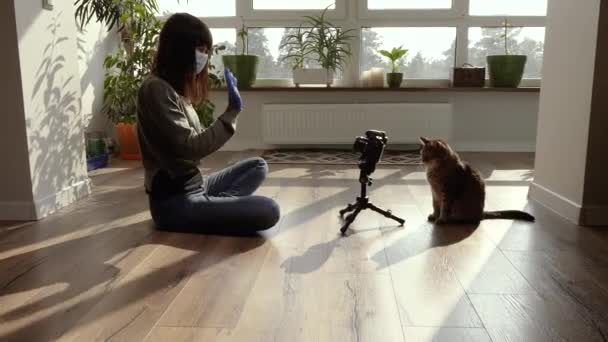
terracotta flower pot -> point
(127, 139)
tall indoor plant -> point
(394, 78)
(138, 29)
(127, 68)
(506, 70)
(322, 42)
(244, 66)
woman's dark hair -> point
(175, 60)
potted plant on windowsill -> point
(394, 78)
(506, 70)
(298, 50)
(322, 42)
(243, 66)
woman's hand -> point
(234, 98)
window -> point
(529, 41)
(511, 7)
(408, 4)
(439, 34)
(292, 5)
(199, 8)
(266, 42)
(227, 38)
(431, 50)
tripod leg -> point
(386, 213)
(349, 219)
(348, 209)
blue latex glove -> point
(234, 97)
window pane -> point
(529, 41)
(227, 38)
(408, 4)
(266, 43)
(199, 8)
(292, 5)
(511, 7)
(431, 50)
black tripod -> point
(363, 203)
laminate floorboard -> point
(99, 270)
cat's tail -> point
(508, 215)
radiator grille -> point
(339, 123)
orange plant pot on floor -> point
(127, 139)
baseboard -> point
(494, 146)
(594, 216)
(17, 211)
(556, 203)
(50, 204)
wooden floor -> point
(98, 271)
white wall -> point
(595, 199)
(481, 122)
(15, 180)
(566, 106)
(94, 44)
(51, 93)
(566, 96)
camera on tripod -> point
(371, 147)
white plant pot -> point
(313, 76)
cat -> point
(458, 189)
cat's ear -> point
(424, 140)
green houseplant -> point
(394, 78)
(110, 12)
(127, 68)
(138, 28)
(244, 66)
(324, 43)
(506, 70)
(296, 48)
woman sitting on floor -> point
(173, 142)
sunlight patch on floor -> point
(76, 234)
(511, 175)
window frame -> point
(410, 14)
(245, 9)
(354, 14)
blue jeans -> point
(224, 205)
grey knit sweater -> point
(170, 134)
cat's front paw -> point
(432, 218)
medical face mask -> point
(201, 60)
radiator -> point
(340, 123)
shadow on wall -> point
(94, 43)
(56, 141)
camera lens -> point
(360, 144)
